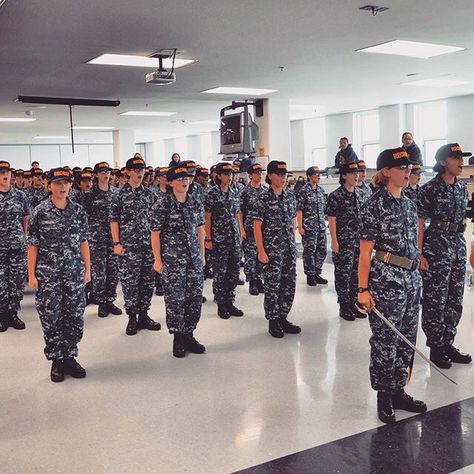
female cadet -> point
(274, 231)
(343, 207)
(14, 211)
(413, 189)
(249, 198)
(58, 268)
(104, 262)
(443, 200)
(224, 229)
(391, 282)
(177, 240)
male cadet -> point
(413, 188)
(26, 179)
(122, 178)
(14, 211)
(364, 189)
(130, 228)
(85, 185)
(310, 216)
(19, 179)
(36, 193)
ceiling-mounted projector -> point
(162, 76)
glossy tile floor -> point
(248, 400)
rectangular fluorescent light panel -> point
(148, 114)
(93, 128)
(411, 48)
(238, 91)
(13, 119)
(138, 61)
(436, 83)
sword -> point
(401, 336)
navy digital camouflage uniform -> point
(104, 262)
(60, 300)
(159, 196)
(13, 207)
(345, 207)
(131, 208)
(391, 224)
(279, 274)
(365, 191)
(183, 273)
(443, 283)
(36, 195)
(412, 193)
(225, 237)
(249, 198)
(312, 203)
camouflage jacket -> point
(312, 202)
(13, 206)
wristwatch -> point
(117, 243)
(362, 290)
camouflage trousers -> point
(390, 358)
(60, 302)
(104, 272)
(158, 281)
(345, 273)
(443, 289)
(279, 276)
(12, 279)
(208, 255)
(183, 281)
(252, 267)
(226, 270)
(314, 251)
(137, 278)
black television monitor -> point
(238, 133)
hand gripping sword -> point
(401, 336)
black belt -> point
(397, 261)
(448, 226)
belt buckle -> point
(445, 226)
(386, 257)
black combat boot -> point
(456, 355)
(311, 280)
(15, 322)
(132, 326)
(103, 311)
(159, 289)
(57, 371)
(73, 368)
(233, 310)
(357, 313)
(112, 309)
(3, 323)
(261, 289)
(240, 282)
(385, 408)
(145, 322)
(403, 401)
(320, 280)
(253, 288)
(208, 272)
(204, 299)
(192, 345)
(288, 327)
(439, 358)
(178, 345)
(223, 311)
(345, 312)
(274, 328)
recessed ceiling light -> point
(413, 49)
(436, 83)
(92, 128)
(138, 61)
(148, 113)
(238, 91)
(13, 119)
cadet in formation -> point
(249, 197)
(274, 231)
(310, 217)
(223, 224)
(177, 239)
(413, 188)
(58, 268)
(443, 200)
(130, 229)
(36, 192)
(104, 262)
(14, 212)
(391, 282)
(364, 189)
(343, 209)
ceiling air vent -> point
(374, 9)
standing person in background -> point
(104, 262)
(249, 198)
(346, 154)
(177, 240)
(274, 231)
(310, 217)
(364, 189)
(34, 165)
(58, 268)
(175, 160)
(412, 148)
(130, 229)
(443, 200)
(413, 189)
(14, 212)
(224, 230)
(343, 209)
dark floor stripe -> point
(439, 441)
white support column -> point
(392, 125)
(124, 146)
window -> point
(367, 136)
(315, 142)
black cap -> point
(393, 157)
(101, 167)
(255, 168)
(416, 168)
(135, 163)
(348, 168)
(450, 150)
(86, 175)
(190, 165)
(5, 166)
(19, 172)
(37, 172)
(27, 174)
(55, 174)
(161, 171)
(224, 168)
(177, 172)
(312, 170)
(204, 172)
(277, 167)
(361, 165)
(212, 168)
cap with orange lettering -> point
(56, 174)
(135, 163)
(393, 157)
(278, 167)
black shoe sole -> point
(277, 335)
(57, 379)
(179, 355)
(442, 365)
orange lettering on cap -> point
(352, 165)
(400, 154)
(61, 173)
(228, 167)
(456, 148)
(281, 166)
(4, 163)
(180, 170)
(137, 161)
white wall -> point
(392, 124)
(298, 152)
(460, 115)
(337, 126)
